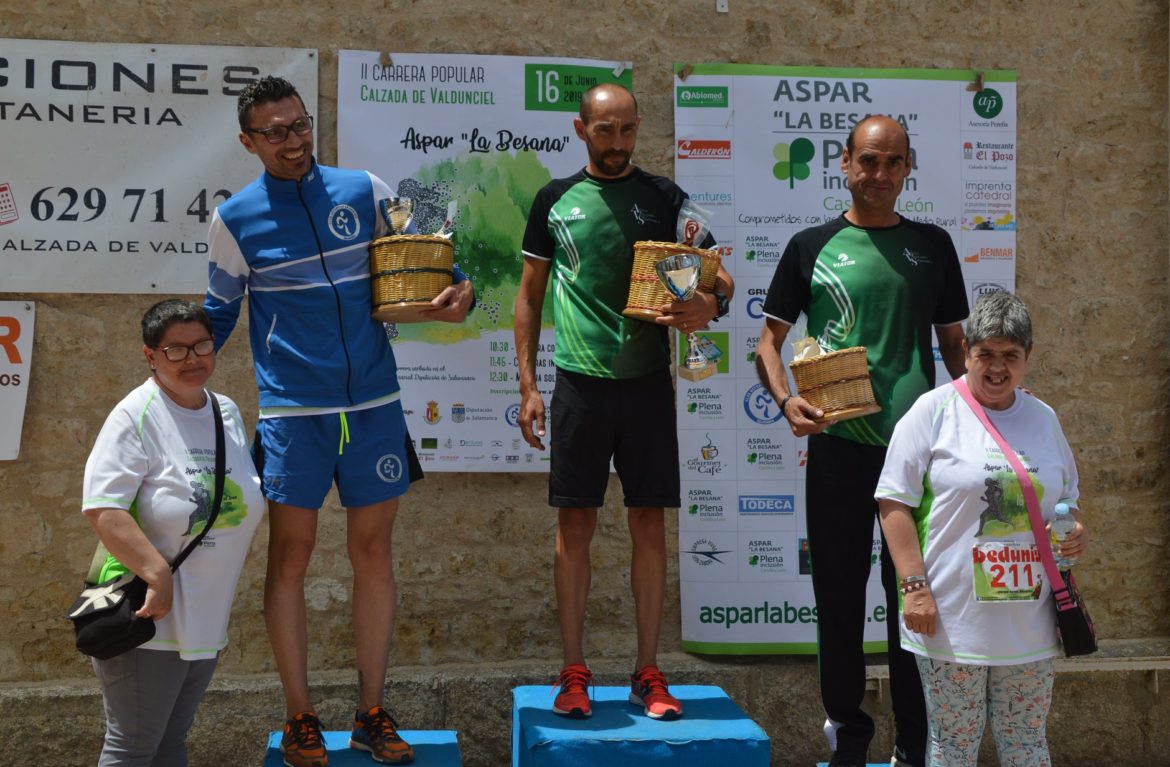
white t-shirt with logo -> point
(156, 459)
(993, 597)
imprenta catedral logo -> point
(703, 149)
(701, 96)
(344, 223)
(792, 161)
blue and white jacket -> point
(300, 251)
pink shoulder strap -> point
(1064, 600)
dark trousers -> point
(841, 478)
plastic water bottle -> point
(1062, 524)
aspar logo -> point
(343, 222)
(705, 553)
(703, 149)
(766, 505)
(512, 414)
(389, 468)
(759, 405)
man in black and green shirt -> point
(870, 278)
(614, 396)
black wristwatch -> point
(783, 403)
(723, 305)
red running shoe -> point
(648, 689)
(573, 699)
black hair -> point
(266, 90)
(169, 312)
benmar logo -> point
(975, 255)
(703, 149)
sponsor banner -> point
(759, 618)
(138, 143)
(761, 146)
(16, 346)
(708, 506)
(486, 133)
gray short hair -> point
(999, 315)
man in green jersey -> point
(614, 396)
(870, 278)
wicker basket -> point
(837, 383)
(406, 272)
(646, 292)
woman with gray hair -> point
(976, 609)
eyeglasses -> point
(278, 134)
(179, 352)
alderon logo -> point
(703, 149)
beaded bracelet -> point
(912, 583)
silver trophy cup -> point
(679, 274)
(397, 212)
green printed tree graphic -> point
(793, 161)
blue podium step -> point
(432, 748)
(712, 730)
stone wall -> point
(474, 551)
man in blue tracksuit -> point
(296, 241)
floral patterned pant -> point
(960, 698)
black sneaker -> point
(847, 759)
(900, 759)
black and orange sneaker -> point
(648, 689)
(302, 744)
(573, 699)
(376, 731)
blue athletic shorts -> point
(300, 457)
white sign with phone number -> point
(116, 155)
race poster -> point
(486, 133)
(760, 146)
(115, 156)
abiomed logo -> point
(703, 149)
(702, 96)
(793, 161)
